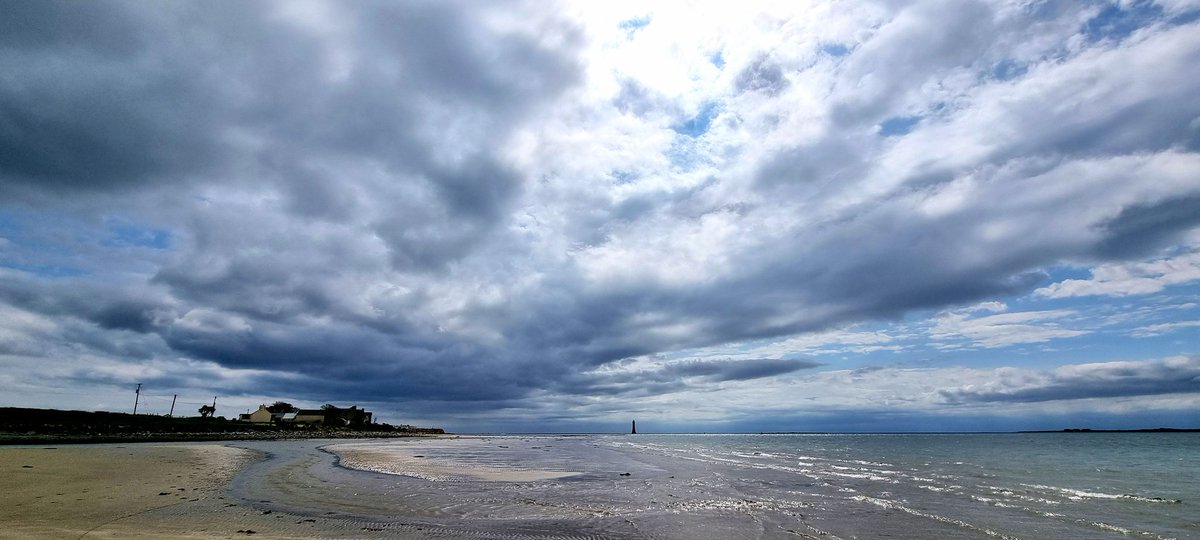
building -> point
(309, 417)
(261, 416)
(328, 415)
(352, 417)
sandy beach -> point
(118, 491)
(171, 490)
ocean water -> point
(1028, 486)
(1038, 485)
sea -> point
(732, 486)
(1035, 485)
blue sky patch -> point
(634, 24)
(125, 234)
(1008, 70)
(46, 270)
(898, 125)
(835, 49)
(624, 176)
(1186, 17)
(717, 59)
(1115, 23)
(698, 125)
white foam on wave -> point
(1123, 530)
(1006, 492)
(893, 505)
(1079, 495)
(934, 488)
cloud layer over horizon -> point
(516, 216)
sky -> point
(948, 215)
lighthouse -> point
(633, 430)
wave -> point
(893, 505)
(1079, 495)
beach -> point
(115, 491)
(299, 489)
(706, 487)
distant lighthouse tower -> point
(633, 431)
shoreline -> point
(300, 489)
(554, 487)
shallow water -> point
(1043, 485)
(752, 486)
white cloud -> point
(1127, 279)
(1002, 329)
(1173, 375)
(1163, 328)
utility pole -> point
(172, 413)
(137, 395)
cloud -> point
(737, 370)
(1140, 227)
(1085, 381)
(1163, 328)
(1126, 279)
(484, 206)
(1002, 329)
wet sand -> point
(508, 487)
(173, 490)
(115, 491)
(244, 489)
(415, 460)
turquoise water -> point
(1043, 485)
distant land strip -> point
(1142, 430)
(53, 426)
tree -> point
(207, 411)
(282, 407)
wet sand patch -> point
(439, 461)
(96, 490)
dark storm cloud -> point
(407, 106)
(1111, 380)
(111, 309)
(1141, 229)
(144, 96)
(83, 109)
